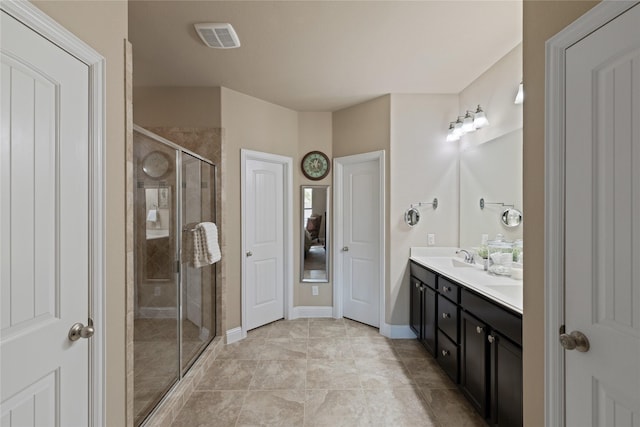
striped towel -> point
(206, 250)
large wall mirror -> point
(314, 245)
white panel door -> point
(44, 231)
(603, 224)
(361, 241)
(264, 242)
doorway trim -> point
(338, 180)
(44, 25)
(287, 163)
(555, 104)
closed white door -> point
(602, 264)
(360, 248)
(44, 231)
(264, 242)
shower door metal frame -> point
(177, 270)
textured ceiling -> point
(323, 55)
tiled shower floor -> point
(325, 372)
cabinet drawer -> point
(509, 324)
(422, 274)
(448, 356)
(448, 318)
(449, 289)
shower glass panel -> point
(174, 307)
(156, 291)
(198, 292)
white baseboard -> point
(311, 311)
(234, 335)
(396, 331)
(157, 313)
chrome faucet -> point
(468, 257)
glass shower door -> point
(198, 284)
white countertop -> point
(503, 290)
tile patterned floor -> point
(325, 372)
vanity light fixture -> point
(520, 95)
(467, 124)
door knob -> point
(345, 249)
(78, 330)
(249, 253)
(575, 340)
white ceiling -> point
(324, 55)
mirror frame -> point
(327, 239)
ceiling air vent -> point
(219, 36)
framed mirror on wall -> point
(314, 234)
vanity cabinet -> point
(475, 340)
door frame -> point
(555, 104)
(287, 163)
(338, 181)
(38, 21)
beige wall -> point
(257, 125)
(314, 133)
(197, 107)
(103, 26)
(361, 129)
(541, 20)
(423, 166)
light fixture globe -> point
(457, 127)
(467, 123)
(451, 135)
(480, 119)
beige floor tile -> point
(357, 329)
(336, 374)
(383, 373)
(329, 348)
(327, 330)
(289, 329)
(284, 349)
(451, 408)
(279, 375)
(403, 407)
(228, 375)
(372, 348)
(211, 409)
(273, 408)
(427, 373)
(242, 350)
(261, 332)
(336, 408)
(410, 349)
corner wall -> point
(541, 20)
(103, 26)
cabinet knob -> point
(479, 329)
(417, 284)
(445, 352)
(446, 288)
(491, 339)
(446, 315)
(421, 288)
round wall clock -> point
(315, 165)
(156, 164)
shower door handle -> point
(249, 253)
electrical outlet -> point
(314, 291)
(431, 239)
(157, 291)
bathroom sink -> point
(456, 262)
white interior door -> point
(264, 242)
(602, 224)
(44, 230)
(360, 248)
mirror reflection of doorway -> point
(315, 204)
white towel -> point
(206, 250)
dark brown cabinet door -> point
(506, 382)
(415, 307)
(429, 320)
(474, 362)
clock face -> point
(156, 164)
(315, 165)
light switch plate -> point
(431, 239)
(314, 291)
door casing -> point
(338, 179)
(42, 24)
(287, 163)
(555, 104)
